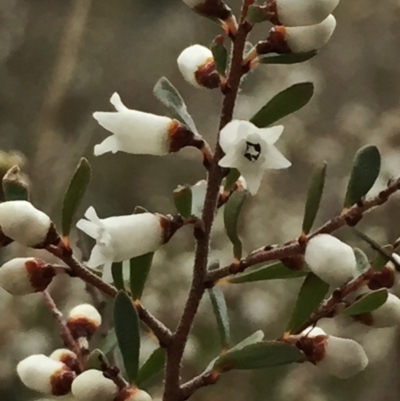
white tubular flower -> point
(251, 150)
(330, 259)
(23, 276)
(22, 222)
(301, 39)
(48, 376)
(137, 132)
(83, 321)
(67, 357)
(91, 385)
(196, 64)
(123, 237)
(388, 315)
(306, 12)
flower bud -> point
(335, 356)
(92, 385)
(23, 276)
(83, 321)
(133, 394)
(330, 259)
(20, 221)
(137, 132)
(40, 373)
(196, 64)
(299, 13)
(67, 357)
(387, 315)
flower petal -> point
(229, 160)
(271, 135)
(91, 215)
(89, 228)
(228, 135)
(275, 159)
(116, 101)
(97, 257)
(253, 177)
(110, 144)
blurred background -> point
(61, 61)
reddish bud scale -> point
(169, 226)
(207, 76)
(180, 136)
(275, 43)
(384, 278)
(68, 358)
(61, 382)
(213, 9)
(82, 327)
(313, 347)
(40, 274)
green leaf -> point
(382, 258)
(94, 359)
(15, 185)
(259, 355)
(231, 179)
(314, 195)
(73, 197)
(367, 303)
(312, 293)
(257, 14)
(151, 367)
(283, 104)
(231, 216)
(292, 58)
(273, 271)
(139, 268)
(183, 200)
(361, 259)
(117, 275)
(221, 314)
(169, 96)
(220, 55)
(366, 167)
(109, 343)
(126, 323)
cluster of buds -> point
(299, 27)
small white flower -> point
(251, 150)
(134, 131)
(301, 39)
(23, 223)
(387, 315)
(121, 238)
(48, 376)
(91, 385)
(330, 259)
(305, 12)
(196, 64)
(23, 276)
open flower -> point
(140, 133)
(251, 150)
(122, 237)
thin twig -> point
(203, 380)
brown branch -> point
(349, 217)
(205, 379)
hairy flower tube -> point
(20, 221)
(300, 13)
(251, 150)
(123, 237)
(340, 357)
(23, 276)
(196, 64)
(83, 321)
(330, 259)
(138, 132)
(92, 385)
(45, 375)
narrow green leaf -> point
(183, 200)
(169, 96)
(75, 192)
(139, 269)
(366, 167)
(292, 58)
(221, 314)
(117, 275)
(109, 343)
(126, 323)
(231, 179)
(361, 259)
(15, 185)
(231, 217)
(283, 104)
(382, 258)
(257, 14)
(368, 303)
(260, 355)
(151, 367)
(94, 360)
(312, 293)
(274, 271)
(220, 55)
(314, 195)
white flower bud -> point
(123, 237)
(139, 395)
(23, 276)
(91, 385)
(22, 222)
(301, 39)
(313, 332)
(40, 373)
(330, 259)
(137, 132)
(196, 64)
(83, 321)
(305, 12)
(67, 357)
(387, 315)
